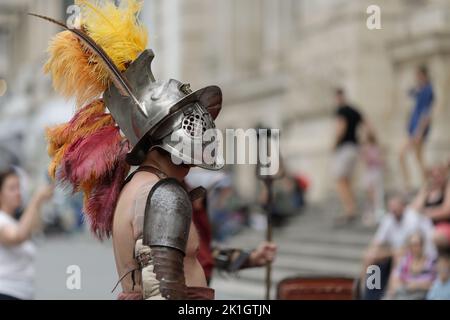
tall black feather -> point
(117, 78)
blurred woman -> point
(16, 250)
(434, 201)
(414, 274)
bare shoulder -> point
(131, 205)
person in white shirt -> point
(390, 239)
(16, 250)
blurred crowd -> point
(355, 137)
(229, 213)
(411, 246)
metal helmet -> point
(168, 116)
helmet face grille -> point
(194, 125)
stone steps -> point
(308, 245)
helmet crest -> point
(104, 65)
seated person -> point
(390, 238)
(415, 273)
(434, 202)
(440, 290)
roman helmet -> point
(166, 115)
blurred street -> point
(96, 261)
(308, 245)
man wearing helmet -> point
(127, 118)
(152, 229)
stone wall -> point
(278, 62)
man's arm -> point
(419, 200)
(232, 260)
(15, 235)
(161, 251)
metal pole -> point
(265, 141)
(268, 183)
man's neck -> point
(168, 168)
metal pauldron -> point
(167, 221)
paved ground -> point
(309, 244)
(95, 260)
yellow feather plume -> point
(115, 28)
(79, 73)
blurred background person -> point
(415, 272)
(440, 289)
(348, 120)
(419, 124)
(433, 200)
(288, 192)
(211, 256)
(373, 179)
(442, 234)
(16, 250)
(227, 213)
(390, 239)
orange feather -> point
(74, 70)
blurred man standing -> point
(419, 124)
(348, 121)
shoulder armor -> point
(168, 214)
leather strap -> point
(151, 169)
(123, 277)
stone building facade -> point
(277, 62)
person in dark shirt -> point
(348, 121)
(352, 120)
(419, 124)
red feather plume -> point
(91, 157)
(101, 203)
